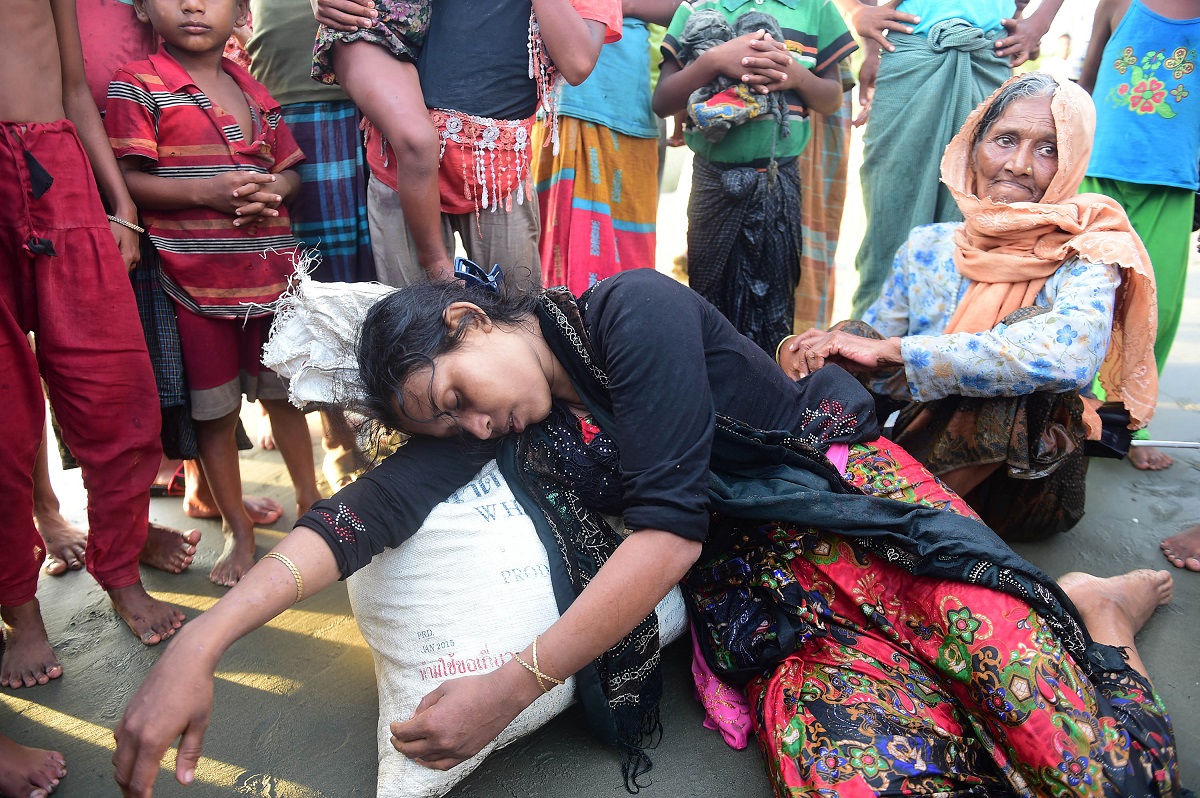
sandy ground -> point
(295, 703)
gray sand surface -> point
(295, 703)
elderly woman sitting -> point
(999, 321)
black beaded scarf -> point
(566, 478)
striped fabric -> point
(823, 166)
(157, 113)
(330, 212)
(598, 200)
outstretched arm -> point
(175, 700)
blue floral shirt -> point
(1057, 351)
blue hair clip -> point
(473, 274)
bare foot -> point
(235, 560)
(1123, 603)
(1149, 458)
(29, 772)
(169, 550)
(153, 621)
(261, 509)
(266, 438)
(1183, 550)
(65, 542)
(28, 659)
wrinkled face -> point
(490, 385)
(193, 25)
(1018, 157)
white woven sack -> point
(466, 592)
(313, 338)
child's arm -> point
(572, 42)
(731, 59)
(81, 110)
(1102, 28)
(820, 91)
(658, 12)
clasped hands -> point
(800, 355)
(756, 59)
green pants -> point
(1162, 216)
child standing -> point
(207, 158)
(482, 101)
(1141, 69)
(744, 237)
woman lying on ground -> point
(835, 593)
(999, 321)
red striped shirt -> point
(157, 112)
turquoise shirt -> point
(617, 93)
(984, 14)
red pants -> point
(62, 278)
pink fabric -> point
(839, 455)
(725, 706)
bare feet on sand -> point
(28, 659)
(1116, 608)
(198, 501)
(1149, 458)
(1183, 550)
(169, 550)
(65, 542)
(235, 560)
(153, 621)
(29, 772)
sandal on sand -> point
(176, 485)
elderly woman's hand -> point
(811, 350)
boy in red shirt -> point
(207, 157)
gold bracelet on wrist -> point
(291, 566)
(542, 678)
(779, 348)
(137, 228)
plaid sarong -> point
(157, 314)
(823, 166)
(744, 246)
(330, 213)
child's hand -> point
(742, 60)
(230, 192)
(873, 22)
(261, 204)
(345, 15)
(767, 70)
(127, 243)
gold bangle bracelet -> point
(779, 348)
(542, 678)
(291, 566)
(137, 228)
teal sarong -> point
(923, 94)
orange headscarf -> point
(1008, 250)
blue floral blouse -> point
(1057, 351)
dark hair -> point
(1031, 84)
(405, 330)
